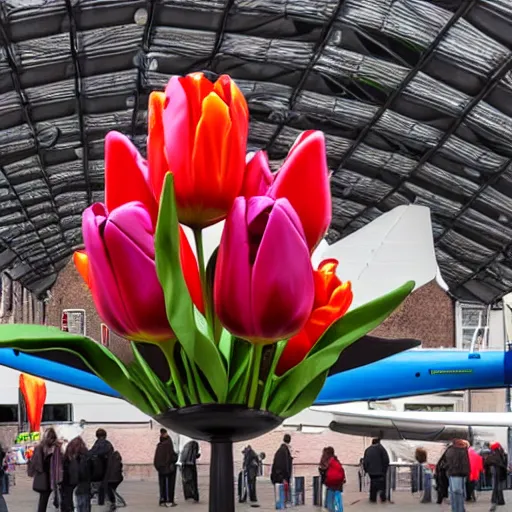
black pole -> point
(222, 492)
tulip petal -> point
(107, 298)
(216, 184)
(178, 136)
(258, 177)
(129, 238)
(306, 169)
(158, 166)
(332, 300)
(295, 351)
(197, 87)
(282, 298)
(326, 281)
(126, 175)
(81, 262)
(232, 289)
(191, 271)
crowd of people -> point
(460, 468)
(71, 476)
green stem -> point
(255, 375)
(269, 384)
(190, 378)
(167, 349)
(241, 396)
(198, 238)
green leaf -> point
(180, 310)
(210, 281)
(154, 386)
(240, 367)
(338, 337)
(226, 343)
(40, 338)
(307, 397)
(271, 379)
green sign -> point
(27, 437)
(450, 372)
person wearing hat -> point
(497, 461)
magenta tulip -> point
(303, 179)
(125, 287)
(264, 285)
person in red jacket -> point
(476, 466)
(333, 476)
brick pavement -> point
(143, 496)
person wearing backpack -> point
(165, 464)
(99, 457)
(115, 475)
(333, 476)
(76, 477)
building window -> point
(73, 321)
(472, 325)
(9, 413)
(430, 407)
(57, 413)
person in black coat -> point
(251, 466)
(45, 467)
(165, 464)
(99, 456)
(376, 464)
(76, 477)
(283, 462)
(442, 482)
(3, 504)
(497, 461)
(282, 466)
(188, 459)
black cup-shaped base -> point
(221, 425)
(219, 422)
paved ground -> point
(142, 496)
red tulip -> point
(332, 300)
(198, 131)
(264, 285)
(118, 264)
(303, 179)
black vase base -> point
(219, 422)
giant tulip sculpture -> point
(250, 335)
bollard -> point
(298, 496)
(317, 491)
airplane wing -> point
(423, 426)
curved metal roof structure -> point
(415, 97)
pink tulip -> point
(264, 285)
(121, 256)
(303, 179)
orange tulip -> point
(198, 130)
(34, 394)
(332, 300)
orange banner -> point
(34, 393)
